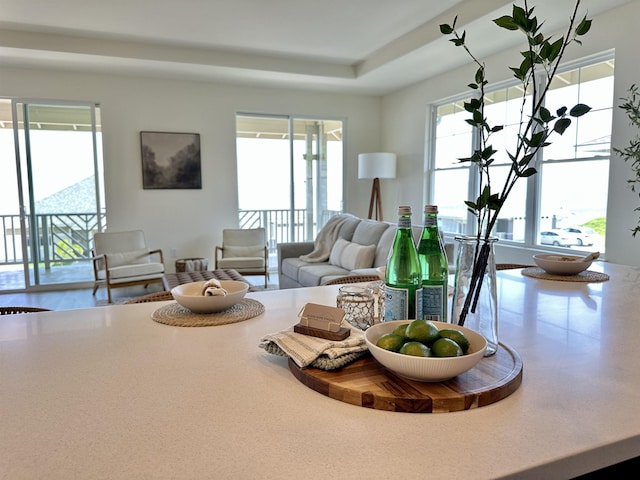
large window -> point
(290, 174)
(565, 204)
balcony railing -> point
(63, 238)
(60, 238)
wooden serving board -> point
(367, 383)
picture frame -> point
(170, 160)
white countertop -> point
(108, 393)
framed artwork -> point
(170, 160)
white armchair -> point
(245, 251)
(122, 259)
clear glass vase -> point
(475, 300)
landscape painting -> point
(170, 160)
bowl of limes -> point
(425, 350)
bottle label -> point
(396, 303)
(404, 222)
(433, 303)
(430, 220)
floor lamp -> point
(376, 165)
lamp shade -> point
(377, 165)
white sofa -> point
(347, 245)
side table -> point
(191, 264)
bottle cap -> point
(404, 210)
(430, 209)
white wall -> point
(191, 221)
(405, 122)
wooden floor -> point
(83, 298)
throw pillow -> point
(351, 256)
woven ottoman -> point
(170, 280)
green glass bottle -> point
(434, 267)
(403, 278)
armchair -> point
(244, 250)
(122, 259)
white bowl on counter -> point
(425, 369)
(560, 264)
(190, 296)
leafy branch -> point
(631, 153)
(537, 123)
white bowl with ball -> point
(192, 295)
(425, 369)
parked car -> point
(558, 238)
(586, 235)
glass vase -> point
(475, 299)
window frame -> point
(534, 186)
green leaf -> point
(545, 115)
(446, 29)
(497, 128)
(474, 86)
(536, 139)
(561, 125)
(488, 152)
(583, 27)
(528, 172)
(561, 111)
(480, 75)
(506, 22)
(520, 17)
(579, 110)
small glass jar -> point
(358, 305)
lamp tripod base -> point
(376, 200)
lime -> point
(422, 331)
(445, 347)
(390, 341)
(417, 349)
(457, 336)
(401, 330)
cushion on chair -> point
(128, 258)
(248, 251)
(350, 255)
(136, 270)
(241, 263)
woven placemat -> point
(586, 276)
(176, 315)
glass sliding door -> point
(290, 175)
(58, 184)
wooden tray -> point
(368, 384)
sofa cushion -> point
(384, 247)
(313, 274)
(291, 266)
(368, 232)
(350, 255)
(348, 227)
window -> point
(290, 174)
(570, 189)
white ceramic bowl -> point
(561, 264)
(425, 369)
(190, 296)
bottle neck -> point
(404, 222)
(430, 220)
